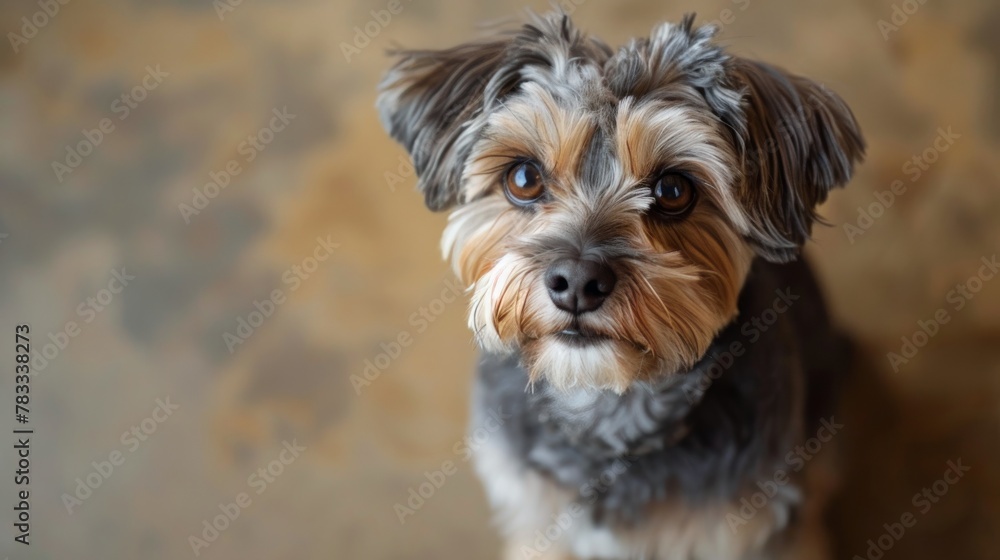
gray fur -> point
(684, 439)
(802, 141)
(681, 440)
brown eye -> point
(674, 194)
(523, 183)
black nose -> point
(579, 285)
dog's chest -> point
(618, 454)
(618, 477)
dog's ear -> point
(432, 102)
(798, 140)
(436, 103)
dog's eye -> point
(523, 183)
(674, 194)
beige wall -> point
(323, 176)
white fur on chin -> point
(603, 365)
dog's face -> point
(607, 206)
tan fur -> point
(677, 287)
(762, 148)
(554, 135)
(654, 131)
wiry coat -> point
(699, 441)
(635, 435)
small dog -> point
(628, 224)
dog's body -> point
(662, 470)
(620, 222)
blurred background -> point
(234, 292)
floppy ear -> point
(799, 140)
(433, 103)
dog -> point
(629, 224)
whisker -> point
(656, 295)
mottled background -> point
(324, 176)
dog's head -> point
(607, 205)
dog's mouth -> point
(574, 336)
